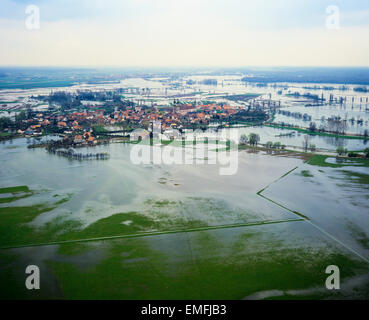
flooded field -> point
(177, 231)
(271, 261)
(167, 196)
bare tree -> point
(306, 143)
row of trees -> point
(296, 115)
(275, 145)
(252, 139)
(334, 125)
(343, 151)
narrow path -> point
(137, 235)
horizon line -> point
(185, 67)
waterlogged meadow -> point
(280, 261)
(72, 199)
(113, 229)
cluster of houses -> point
(79, 124)
(76, 124)
(176, 116)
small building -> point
(78, 139)
(62, 124)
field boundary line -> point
(157, 233)
(259, 193)
(305, 218)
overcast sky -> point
(184, 33)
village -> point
(86, 127)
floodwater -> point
(293, 138)
(238, 263)
(250, 259)
(98, 189)
(290, 138)
(352, 114)
(333, 198)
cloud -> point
(182, 33)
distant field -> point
(36, 84)
(47, 77)
(241, 97)
(342, 75)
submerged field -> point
(112, 229)
(224, 263)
